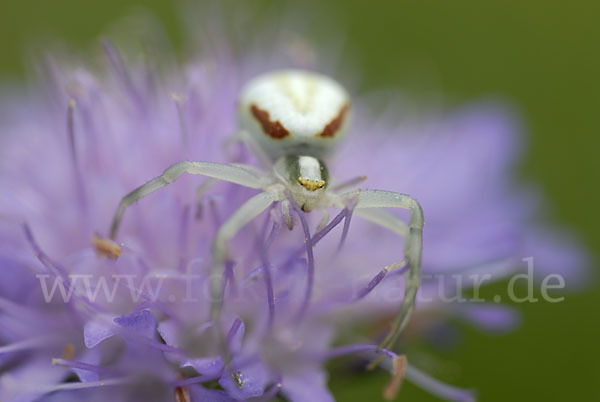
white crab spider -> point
(292, 119)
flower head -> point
(132, 321)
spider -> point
(291, 119)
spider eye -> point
(311, 184)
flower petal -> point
(201, 394)
(247, 381)
(209, 367)
(142, 322)
(97, 330)
(309, 385)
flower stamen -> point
(379, 277)
(311, 259)
(106, 247)
(179, 100)
(69, 351)
(121, 73)
(182, 394)
(81, 366)
(26, 344)
(398, 371)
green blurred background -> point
(543, 56)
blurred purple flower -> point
(69, 154)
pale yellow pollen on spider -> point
(106, 248)
(310, 184)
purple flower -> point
(76, 319)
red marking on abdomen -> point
(335, 124)
(272, 129)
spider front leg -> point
(368, 201)
(242, 216)
(384, 218)
(246, 213)
(244, 137)
(234, 173)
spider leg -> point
(247, 212)
(211, 181)
(234, 173)
(324, 219)
(348, 183)
(369, 202)
(383, 218)
(287, 216)
(244, 137)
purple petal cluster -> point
(76, 324)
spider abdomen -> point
(294, 112)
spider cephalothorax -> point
(306, 178)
